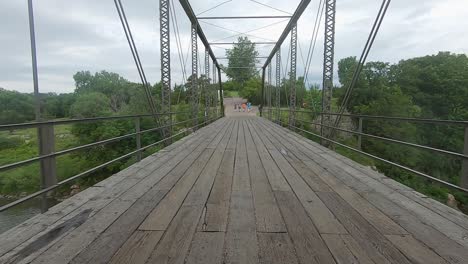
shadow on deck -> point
(243, 190)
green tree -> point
(242, 54)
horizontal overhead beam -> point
(233, 43)
(297, 14)
(242, 17)
(226, 58)
(193, 19)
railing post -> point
(48, 166)
(359, 140)
(464, 175)
(138, 138)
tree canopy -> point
(242, 54)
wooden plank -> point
(175, 242)
(192, 206)
(379, 249)
(137, 248)
(414, 250)
(309, 246)
(207, 248)
(162, 215)
(276, 248)
(108, 196)
(323, 219)
(217, 208)
(275, 177)
(445, 247)
(241, 241)
(267, 214)
(345, 249)
(102, 249)
(327, 173)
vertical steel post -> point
(45, 133)
(278, 85)
(359, 142)
(464, 175)
(138, 138)
(292, 76)
(263, 92)
(221, 96)
(194, 88)
(215, 90)
(165, 49)
(328, 54)
(206, 90)
(270, 86)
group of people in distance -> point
(244, 107)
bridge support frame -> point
(269, 90)
(165, 49)
(292, 78)
(328, 54)
(207, 86)
(278, 86)
(221, 96)
(194, 88)
(263, 92)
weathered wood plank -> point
(217, 208)
(324, 220)
(324, 170)
(309, 246)
(207, 248)
(193, 205)
(414, 250)
(379, 249)
(137, 248)
(267, 214)
(176, 241)
(275, 177)
(445, 247)
(276, 248)
(25, 234)
(345, 249)
(241, 241)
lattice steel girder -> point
(270, 86)
(278, 84)
(165, 49)
(292, 78)
(292, 22)
(263, 90)
(215, 90)
(193, 19)
(194, 88)
(206, 90)
(328, 54)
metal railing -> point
(461, 156)
(49, 139)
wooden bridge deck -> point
(243, 190)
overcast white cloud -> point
(87, 35)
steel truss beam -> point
(206, 86)
(215, 90)
(194, 88)
(243, 17)
(165, 49)
(194, 21)
(292, 22)
(278, 85)
(269, 90)
(292, 77)
(328, 56)
(234, 43)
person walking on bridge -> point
(244, 106)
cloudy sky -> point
(87, 35)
